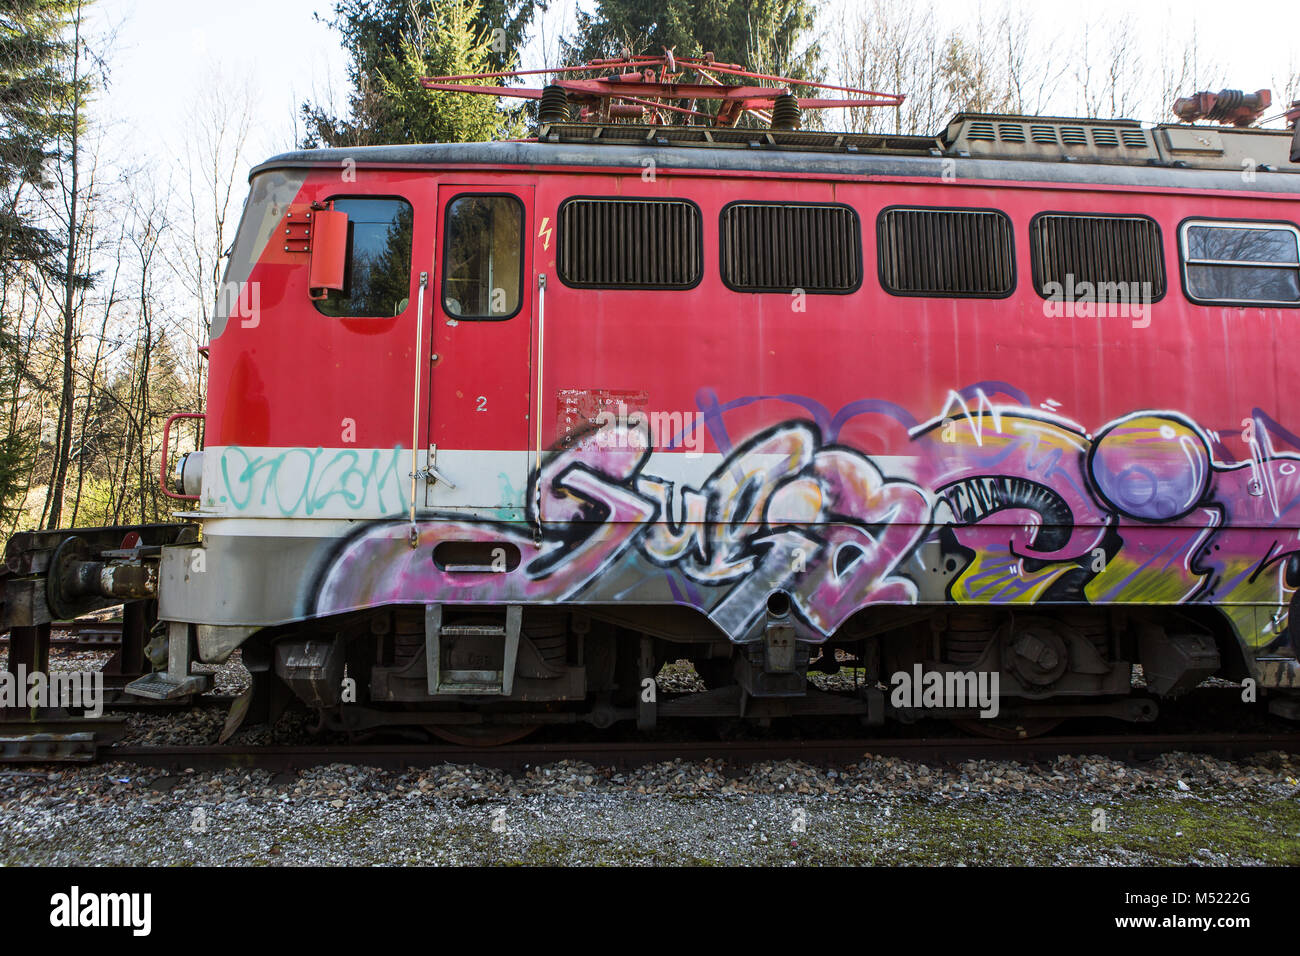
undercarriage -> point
(475, 673)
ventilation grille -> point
(946, 253)
(629, 243)
(1011, 132)
(779, 248)
(1049, 137)
(1074, 136)
(1070, 250)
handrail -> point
(420, 359)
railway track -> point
(80, 633)
(55, 738)
(626, 754)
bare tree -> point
(550, 26)
(891, 46)
(1008, 58)
(86, 433)
(213, 167)
(998, 62)
(1031, 61)
(1287, 87)
(150, 223)
(70, 183)
(1108, 69)
(1180, 71)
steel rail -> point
(626, 754)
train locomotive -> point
(495, 430)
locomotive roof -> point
(537, 155)
(989, 147)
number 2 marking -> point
(482, 404)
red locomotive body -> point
(496, 429)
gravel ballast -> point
(1179, 809)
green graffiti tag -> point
(307, 481)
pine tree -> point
(764, 35)
(392, 43)
(442, 44)
(33, 114)
(38, 115)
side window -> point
(630, 244)
(483, 257)
(1105, 252)
(377, 275)
(768, 247)
(962, 253)
(1241, 263)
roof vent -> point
(1074, 136)
(1049, 138)
(1011, 132)
(1133, 138)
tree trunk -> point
(63, 450)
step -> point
(159, 686)
(482, 683)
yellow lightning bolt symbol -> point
(545, 231)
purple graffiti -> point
(993, 504)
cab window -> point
(377, 273)
(483, 256)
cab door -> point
(479, 366)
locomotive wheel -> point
(481, 735)
(1006, 729)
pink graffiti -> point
(1020, 507)
(597, 504)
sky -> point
(167, 51)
